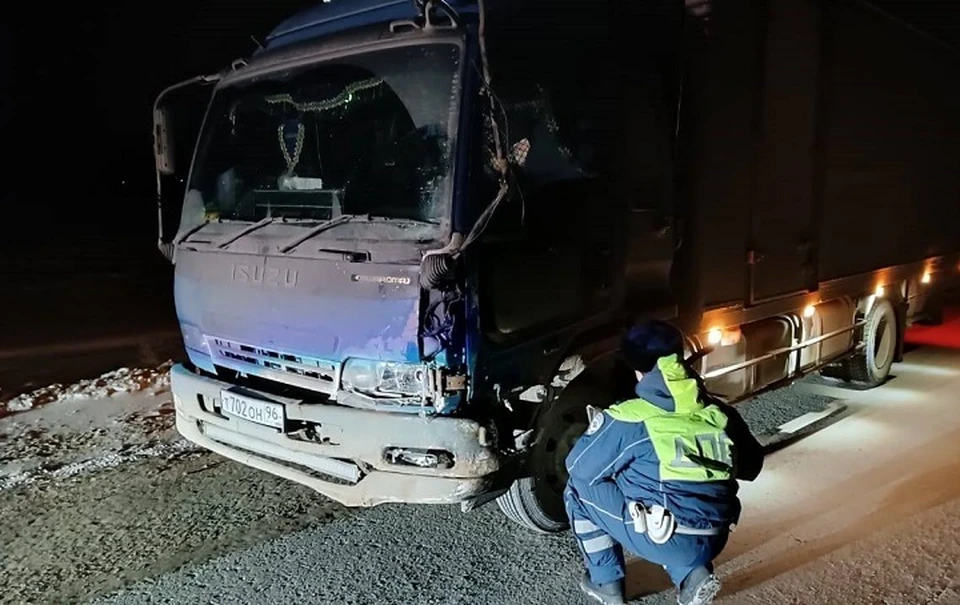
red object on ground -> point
(946, 335)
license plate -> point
(262, 412)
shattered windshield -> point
(368, 134)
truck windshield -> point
(367, 134)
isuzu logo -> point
(382, 279)
(271, 277)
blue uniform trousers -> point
(603, 528)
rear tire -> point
(536, 501)
(880, 338)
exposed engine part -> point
(535, 394)
(452, 383)
(571, 367)
(437, 270)
(440, 322)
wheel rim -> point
(557, 447)
(883, 343)
(558, 439)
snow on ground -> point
(123, 380)
(61, 431)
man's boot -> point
(608, 594)
(698, 588)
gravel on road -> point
(68, 542)
(392, 554)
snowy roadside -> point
(62, 431)
(98, 491)
(120, 381)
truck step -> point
(800, 427)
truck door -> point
(782, 256)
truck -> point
(408, 234)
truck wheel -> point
(536, 502)
(871, 367)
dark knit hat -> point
(645, 343)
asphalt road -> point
(840, 517)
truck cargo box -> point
(824, 141)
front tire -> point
(536, 501)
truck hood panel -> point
(323, 309)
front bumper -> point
(350, 465)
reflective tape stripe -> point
(582, 526)
(600, 543)
(691, 531)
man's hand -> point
(748, 453)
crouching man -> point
(657, 475)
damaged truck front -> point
(324, 173)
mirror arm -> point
(203, 79)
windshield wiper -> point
(245, 231)
(343, 218)
(402, 219)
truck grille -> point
(298, 370)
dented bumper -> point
(356, 457)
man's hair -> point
(647, 342)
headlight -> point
(383, 378)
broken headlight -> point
(383, 378)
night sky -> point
(80, 79)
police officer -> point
(657, 475)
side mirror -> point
(163, 141)
(188, 101)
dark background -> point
(80, 78)
(83, 288)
